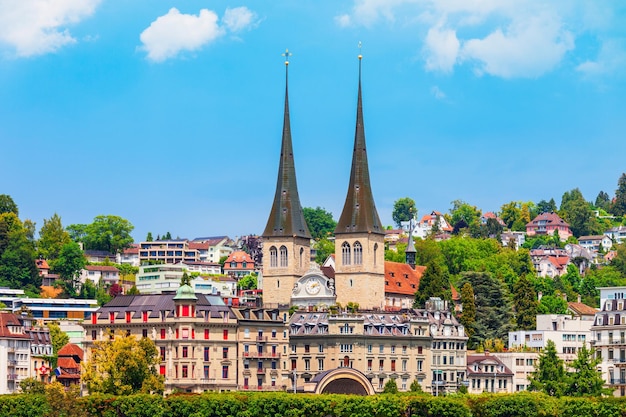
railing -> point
(261, 338)
(268, 355)
(11, 377)
(261, 371)
(615, 381)
(259, 388)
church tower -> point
(286, 239)
(359, 235)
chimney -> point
(539, 295)
(579, 299)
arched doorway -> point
(343, 381)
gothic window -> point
(273, 257)
(358, 253)
(301, 255)
(283, 256)
(345, 253)
(375, 252)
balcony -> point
(261, 371)
(261, 338)
(618, 381)
(262, 355)
(11, 377)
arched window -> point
(346, 362)
(345, 253)
(358, 253)
(273, 257)
(283, 256)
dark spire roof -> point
(359, 213)
(286, 217)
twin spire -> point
(359, 214)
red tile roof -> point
(559, 262)
(10, 319)
(102, 268)
(71, 350)
(582, 309)
(199, 245)
(42, 264)
(400, 278)
(551, 219)
(239, 256)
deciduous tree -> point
(320, 222)
(52, 237)
(7, 205)
(68, 265)
(403, 210)
(434, 283)
(17, 255)
(549, 376)
(123, 366)
(323, 249)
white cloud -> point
(503, 38)
(611, 59)
(528, 48)
(36, 27)
(437, 93)
(175, 32)
(238, 18)
(441, 48)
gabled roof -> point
(400, 278)
(238, 256)
(102, 268)
(70, 350)
(10, 319)
(593, 237)
(42, 264)
(551, 219)
(359, 213)
(559, 262)
(199, 245)
(581, 309)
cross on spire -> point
(287, 54)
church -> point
(354, 327)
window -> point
(358, 253)
(273, 257)
(185, 371)
(94, 335)
(404, 365)
(393, 365)
(185, 352)
(381, 349)
(307, 349)
(345, 348)
(393, 349)
(320, 348)
(345, 253)
(162, 333)
(369, 348)
(283, 256)
(206, 353)
(206, 334)
(225, 334)
(420, 365)
(225, 372)
(369, 364)
(307, 364)
(225, 353)
(144, 333)
(162, 351)
(381, 364)
(404, 349)
(320, 364)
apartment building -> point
(14, 353)
(487, 373)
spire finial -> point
(287, 54)
(360, 56)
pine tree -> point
(549, 376)
(468, 317)
(586, 380)
(618, 208)
(525, 304)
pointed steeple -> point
(359, 213)
(410, 252)
(286, 218)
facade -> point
(487, 373)
(40, 350)
(108, 275)
(203, 267)
(14, 353)
(129, 256)
(617, 234)
(596, 243)
(155, 279)
(401, 284)
(428, 222)
(212, 249)
(167, 251)
(67, 371)
(522, 364)
(202, 342)
(239, 264)
(609, 338)
(547, 224)
(53, 309)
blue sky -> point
(169, 113)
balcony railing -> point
(618, 381)
(262, 355)
(259, 388)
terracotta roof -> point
(550, 218)
(67, 363)
(559, 262)
(199, 245)
(239, 256)
(71, 350)
(594, 237)
(582, 309)
(400, 278)
(10, 319)
(103, 268)
(455, 293)
(42, 264)
(133, 250)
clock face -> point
(313, 286)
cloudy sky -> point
(169, 112)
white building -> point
(618, 234)
(521, 364)
(157, 279)
(14, 353)
(105, 274)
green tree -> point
(525, 304)
(58, 339)
(549, 376)
(88, 290)
(390, 387)
(52, 237)
(510, 213)
(493, 307)
(552, 304)
(17, 255)
(586, 379)
(415, 386)
(68, 265)
(546, 206)
(462, 213)
(468, 316)
(403, 210)
(603, 201)
(434, 283)
(32, 386)
(577, 212)
(249, 282)
(123, 366)
(106, 233)
(323, 249)
(7, 205)
(320, 222)
(618, 208)
(149, 237)
(133, 291)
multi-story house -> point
(595, 243)
(487, 373)
(423, 228)
(212, 249)
(201, 341)
(609, 338)
(14, 353)
(170, 251)
(401, 284)
(49, 309)
(522, 364)
(547, 224)
(129, 256)
(549, 261)
(239, 264)
(617, 234)
(569, 334)
(40, 349)
(105, 274)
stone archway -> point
(344, 381)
